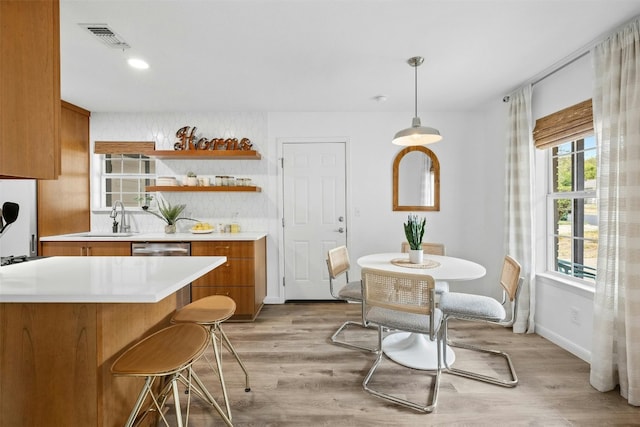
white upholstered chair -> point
(402, 302)
(338, 264)
(485, 309)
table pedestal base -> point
(415, 351)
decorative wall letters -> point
(187, 141)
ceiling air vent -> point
(106, 35)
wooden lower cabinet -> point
(243, 278)
(55, 361)
(86, 248)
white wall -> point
(469, 222)
(465, 222)
(554, 298)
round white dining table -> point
(417, 351)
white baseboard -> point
(561, 341)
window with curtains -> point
(572, 214)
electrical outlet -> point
(574, 314)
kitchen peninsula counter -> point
(101, 279)
(243, 277)
(64, 320)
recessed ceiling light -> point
(138, 63)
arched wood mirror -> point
(416, 180)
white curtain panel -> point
(615, 356)
(518, 202)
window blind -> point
(565, 125)
(123, 147)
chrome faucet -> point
(124, 227)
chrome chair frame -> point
(338, 264)
(387, 294)
(511, 283)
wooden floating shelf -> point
(210, 188)
(206, 154)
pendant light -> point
(416, 134)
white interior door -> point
(314, 199)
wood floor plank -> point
(298, 378)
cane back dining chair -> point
(338, 265)
(402, 302)
(433, 249)
(485, 309)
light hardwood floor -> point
(298, 378)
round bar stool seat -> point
(206, 311)
(211, 311)
(166, 354)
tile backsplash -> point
(249, 209)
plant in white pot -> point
(414, 231)
(170, 214)
(192, 179)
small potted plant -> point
(170, 214)
(145, 200)
(414, 231)
(192, 179)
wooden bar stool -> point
(167, 354)
(211, 311)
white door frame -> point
(318, 140)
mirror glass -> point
(416, 180)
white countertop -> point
(85, 279)
(152, 237)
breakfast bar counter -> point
(64, 320)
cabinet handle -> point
(88, 250)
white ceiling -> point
(320, 55)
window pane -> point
(148, 166)
(590, 169)
(115, 185)
(562, 214)
(563, 174)
(130, 166)
(113, 165)
(565, 148)
(590, 142)
(131, 185)
(563, 254)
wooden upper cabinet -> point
(30, 89)
(64, 203)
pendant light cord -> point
(416, 90)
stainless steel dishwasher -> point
(183, 296)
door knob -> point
(340, 219)
(341, 230)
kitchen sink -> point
(102, 234)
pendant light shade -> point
(416, 134)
